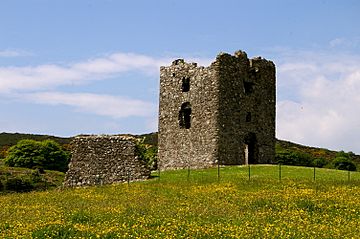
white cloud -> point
(322, 108)
(105, 105)
(51, 76)
(44, 77)
(121, 62)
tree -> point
(289, 157)
(55, 157)
(344, 163)
(46, 154)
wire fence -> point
(252, 172)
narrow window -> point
(185, 84)
(185, 116)
(249, 84)
(248, 87)
(248, 117)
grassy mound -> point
(195, 204)
(24, 180)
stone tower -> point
(221, 114)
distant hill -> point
(151, 138)
(313, 151)
(9, 139)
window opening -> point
(185, 116)
(248, 87)
(185, 84)
(248, 117)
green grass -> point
(195, 205)
(48, 180)
(259, 172)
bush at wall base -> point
(18, 185)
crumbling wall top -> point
(241, 55)
(121, 137)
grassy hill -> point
(151, 138)
(195, 205)
(9, 139)
(313, 151)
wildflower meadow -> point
(213, 203)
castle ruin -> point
(221, 114)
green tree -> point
(55, 158)
(31, 154)
(289, 157)
(342, 154)
(319, 162)
(343, 161)
(147, 153)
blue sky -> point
(89, 66)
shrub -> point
(319, 162)
(1, 186)
(344, 163)
(55, 157)
(147, 153)
(35, 176)
(24, 154)
(18, 185)
(288, 157)
(342, 154)
(3, 151)
(30, 154)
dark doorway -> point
(250, 149)
(185, 116)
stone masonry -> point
(98, 160)
(221, 114)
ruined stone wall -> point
(100, 160)
(196, 146)
(232, 107)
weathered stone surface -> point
(224, 113)
(100, 160)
